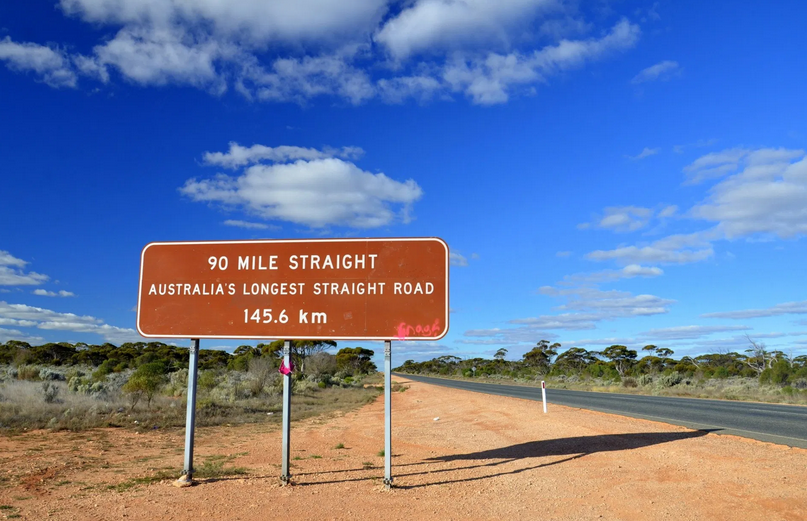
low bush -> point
(645, 380)
(28, 372)
(50, 392)
(670, 380)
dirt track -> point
(485, 458)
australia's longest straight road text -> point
(782, 424)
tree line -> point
(617, 362)
(109, 358)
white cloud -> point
(769, 196)
(584, 308)
(60, 293)
(668, 211)
(254, 23)
(158, 56)
(661, 71)
(614, 304)
(646, 152)
(248, 225)
(629, 218)
(715, 164)
(430, 24)
(594, 305)
(688, 332)
(297, 50)
(634, 270)
(675, 249)
(421, 88)
(52, 66)
(13, 334)
(12, 272)
(488, 80)
(603, 341)
(238, 156)
(628, 272)
(317, 193)
(563, 254)
(7, 259)
(30, 316)
(457, 259)
(300, 79)
(786, 308)
(764, 192)
(625, 218)
(515, 335)
(16, 322)
(565, 321)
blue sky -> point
(604, 172)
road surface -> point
(782, 424)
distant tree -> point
(321, 364)
(300, 350)
(213, 359)
(355, 360)
(500, 354)
(758, 358)
(574, 358)
(540, 356)
(664, 352)
(621, 357)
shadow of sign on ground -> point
(573, 447)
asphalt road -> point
(782, 424)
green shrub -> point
(670, 380)
(104, 369)
(322, 385)
(645, 379)
(28, 372)
(207, 380)
(146, 381)
(50, 392)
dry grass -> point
(23, 406)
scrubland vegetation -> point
(757, 374)
(144, 385)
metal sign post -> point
(388, 414)
(186, 479)
(285, 477)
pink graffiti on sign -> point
(405, 330)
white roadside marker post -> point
(186, 479)
(388, 414)
(543, 394)
(285, 477)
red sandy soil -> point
(486, 457)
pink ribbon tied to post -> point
(284, 369)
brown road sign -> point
(357, 289)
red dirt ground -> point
(487, 457)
